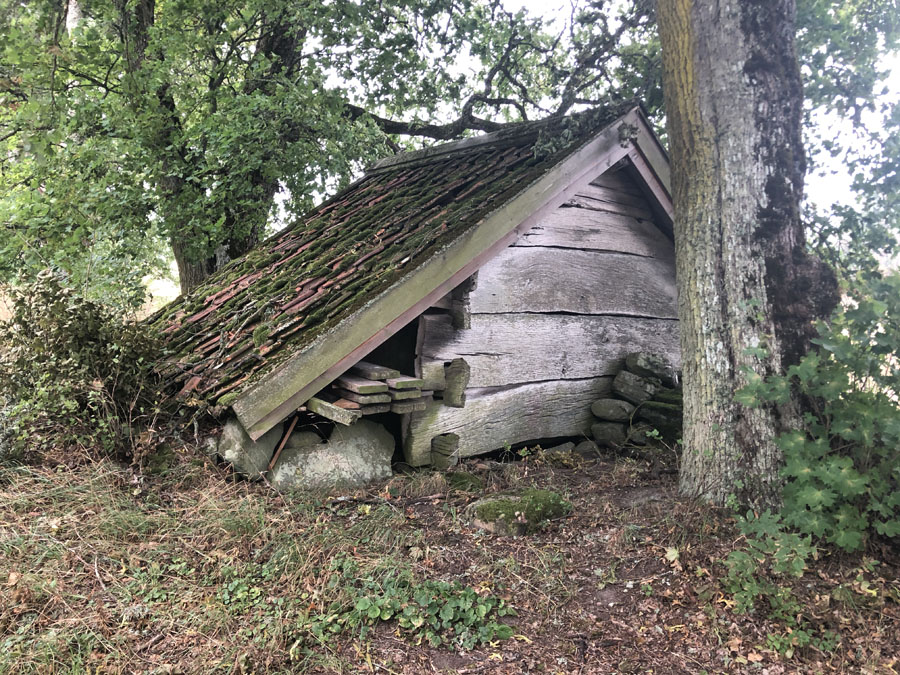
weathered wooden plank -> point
(332, 412)
(493, 418)
(611, 201)
(345, 404)
(598, 231)
(364, 399)
(457, 376)
(509, 349)
(529, 279)
(375, 409)
(404, 394)
(372, 371)
(361, 385)
(404, 382)
(415, 405)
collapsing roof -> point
(272, 328)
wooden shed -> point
(506, 276)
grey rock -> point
(637, 433)
(302, 439)
(248, 457)
(608, 433)
(587, 449)
(562, 449)
(612, 409)
(653, 366)
(634, 388)
(353, 456)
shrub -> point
(843, 471)
(73, 373)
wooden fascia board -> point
(282, 391)
(650, 161)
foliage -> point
(842, 473)
(756, 574)
(438, 612)
(72, 373)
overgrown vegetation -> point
(176, 568)
(74, 374)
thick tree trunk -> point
(748, 291)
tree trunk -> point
(748, 290)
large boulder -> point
(609, 433)
(352, 456)
(664, 417)
(248, 457)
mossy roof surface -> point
(268, 305)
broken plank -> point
(364, 399)
(375, 409)
(404, 394)
(361, 385)
(333, 412)
(494, 418)
(372, 371)
(405, 382)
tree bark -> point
(748, 290)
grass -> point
(104, 569)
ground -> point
(178, 568)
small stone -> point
(652, 366)
(561, 449)
(612, 409)
(608, 433)
(637, 433)
(634, 388)
(587, 449)
(352, 457)
(248, 457)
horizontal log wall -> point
(493, 418)
(548, 320)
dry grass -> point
(181, 569)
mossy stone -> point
(517, 514)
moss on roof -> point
(271, 303)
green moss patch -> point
(522, 513)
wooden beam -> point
(271, 398)
(404, 394)
(494, 418)
(509, 349)
(332, 412)
(531, 279)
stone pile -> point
(646, 395)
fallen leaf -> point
(13, 579)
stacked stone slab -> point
(646, 395)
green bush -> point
(74, 374)
(843, 471)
